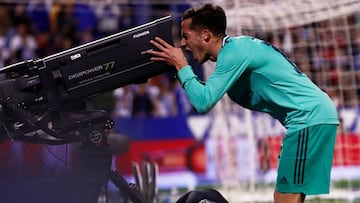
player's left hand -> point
(167, 53)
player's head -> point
(201, 25)
(209, 17)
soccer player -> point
(259, 77)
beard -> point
(189, 55)
(206, 58)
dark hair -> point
(207, 16)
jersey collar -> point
(225, 40)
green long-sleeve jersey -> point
(259, 77)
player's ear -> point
(206, 35)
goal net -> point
(323, 39)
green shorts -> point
(305, 160)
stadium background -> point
(230, 148)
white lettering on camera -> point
(141, 34)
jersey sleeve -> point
(230, 65)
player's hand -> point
(167, 53)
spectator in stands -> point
(127, 19)
(85, 17)
(20, 40)
(108, 17)
(166, 100)
(257, 76)
(123, 101)
(65, 23)
(22, 45)
(183, 105)
(143, 104)
(3, 52)
(39, 15)
(19, 15)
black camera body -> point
(44, 100)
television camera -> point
(45, 100)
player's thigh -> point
(305, 160)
